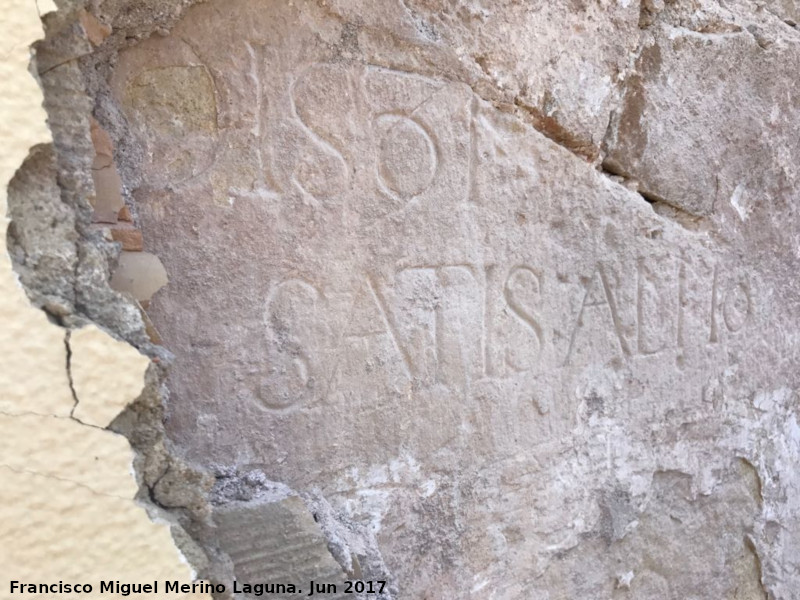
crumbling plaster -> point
(66, 488)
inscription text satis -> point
(452, 324)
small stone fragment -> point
(151, 330)
(140, 274)
(101, 140)
(124, 215)
(96, 31)
(108, 196)
(129, 237)
(286, 534)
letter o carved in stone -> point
(406, 156)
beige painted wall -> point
(66, 486)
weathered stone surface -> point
(516, 376)
(708, 116)
(788, 10)
(560, 62)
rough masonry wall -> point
(485, 299)
(68, 496)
